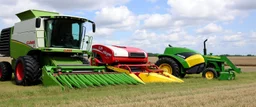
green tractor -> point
(180, 61)
(48, 48)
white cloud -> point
(233, 38)
(116, 17)
(253, 34)
(11, 7)
(210, 28)
(67, 5)
(103, 32)
(157, 21)
(243, 4)
(152, 1)
(202, 9)
(240, 43)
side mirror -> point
(38, 22)
(93, 27)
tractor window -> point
(62, 33)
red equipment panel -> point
(118, 55)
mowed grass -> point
(194, 92)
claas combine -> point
(48, 48)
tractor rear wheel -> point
(5, 71)
(27, 71)
(169, 65)
(209, 73)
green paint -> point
(64, 50)
(47, 77)
(58, 67)
(19, 49)
(29, 14)
(177, 58)
(176, 50)
(216, 62)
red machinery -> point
(130, 60)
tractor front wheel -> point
(26, 71)
(168, 65)
(5, 71)
(209, 73)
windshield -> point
(62, 33)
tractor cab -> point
(67, 32)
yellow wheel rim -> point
(166, 68)
(209, 75)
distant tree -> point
(249, 55)
(152, 54)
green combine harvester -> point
(46, 47)
(180, 61)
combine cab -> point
(130, 60)
(46, 47)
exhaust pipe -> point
(205, 51)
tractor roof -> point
(29, 14)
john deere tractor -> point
(180, 61)
(47, 47)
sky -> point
(229, 25)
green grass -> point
(196, 91)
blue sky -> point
(153, 24)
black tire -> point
(182, 75)
(5, 71)
(27, 71)
(212, 73)
(173, 64)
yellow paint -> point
(173, 77)
(148, 77)
(118, 69)
(125, 71)
(136, 78)
(166, 68)
(155, 77)
(209, 75)
(194, 60)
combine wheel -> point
(27, 71)
(5, 71)
(169, 65)
(209, 73)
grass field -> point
(194, 92)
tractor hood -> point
(187, 57)
(120, 51)
(176, 50)
(119, 54)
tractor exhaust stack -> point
(205, 50)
